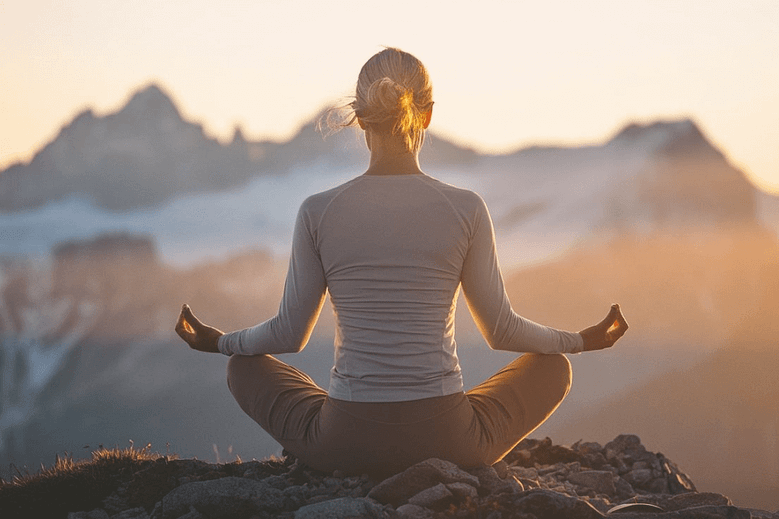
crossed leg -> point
(474, 428)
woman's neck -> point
(389, 156)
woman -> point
(393, 247)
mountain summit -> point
(140, 156)
(150, 103)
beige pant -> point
(382, 438)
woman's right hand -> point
(199, 336)
(604, 334)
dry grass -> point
(69, 485)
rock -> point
(226, 497)
(462, 491)
(544, 452)
(587, 447)
(673, 503)
(678, 481)
(397, 489)
(97, 513)
(591, 454)
(638, 478)
(562, 482)
(524, 473)
(623, 489)
(343, 508)
(621, 445)
(601, 481)
(490, 483)
(193, 514)
(409, 511)
(707, 512)
(544, 504)
(295, 497)
(501, 469)
(132, 513)
(434, 498)
(762, 514)
(658, 486)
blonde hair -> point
(394, 94)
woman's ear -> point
(428, 116)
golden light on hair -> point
(393, 94)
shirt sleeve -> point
(301, 303)
(485, 294)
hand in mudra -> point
(199, 336)
(605, 334)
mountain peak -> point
(666, 136)
(634, 130)
(150, 102)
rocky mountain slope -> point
(536, 480)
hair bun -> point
(393, 94)
(383, 101)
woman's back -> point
(392, 250)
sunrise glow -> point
(505, 76)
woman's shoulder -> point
(318, 201)
(459, 196)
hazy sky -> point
(506, 74)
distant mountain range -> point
(122, 218)
(146, 154)
(144, 170)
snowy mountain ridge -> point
(144, 170)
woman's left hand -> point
(607, 332)
(199, 336)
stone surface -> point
(397, 489)
(343, 508)
(501, 469)
(545, 504)
(762, 514)
(132, 513)
(601, 481)
(698, 512)
(463, 491)
(97, 513)
(435, 498)
(491, 483)
(582, 481)
(638, 477)
(193, 514)
(409, 511)
(226, 497)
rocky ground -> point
(537, 480)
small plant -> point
(71, 486)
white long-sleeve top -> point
(393, 252)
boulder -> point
(396, 490)
(434, 498)
(343, 508)
(222, 498)
(601, 481)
